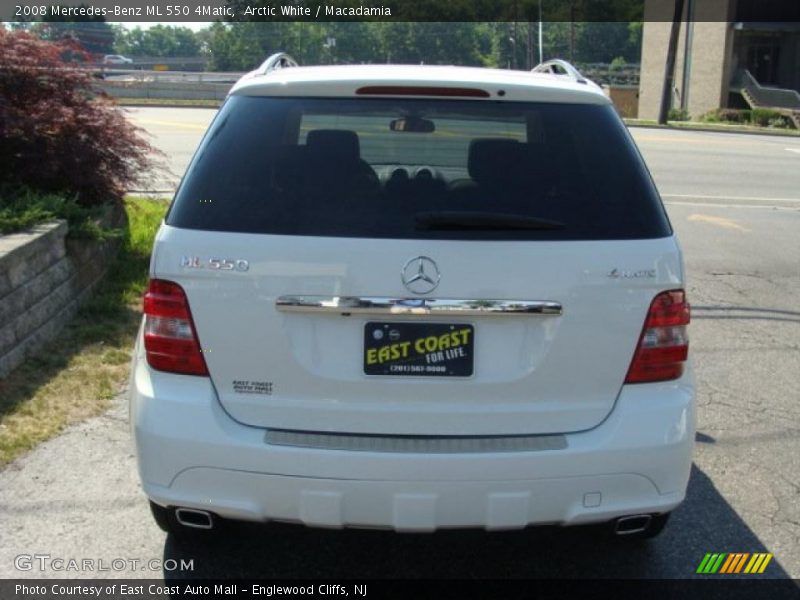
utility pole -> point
(571, 32)
(541, 44)
(530, 45)
(514, 38)
(669, 74)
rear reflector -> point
(664, 344)
(406, 90)
(170, 339)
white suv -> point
(415, 298)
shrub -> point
(22, 208)
(678, 114)
(732, 115)
(58, 134)
(763, 117)
(766, 117)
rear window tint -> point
(356, 167)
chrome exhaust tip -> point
(196, 519)
(632, 524)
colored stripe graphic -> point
(734, 562)
(729, 562)
(711, 562)
(758, 563)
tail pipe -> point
(196, 519)
(632, 524)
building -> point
(731, 53)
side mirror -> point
(412, 125)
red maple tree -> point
(59, 134)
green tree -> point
(160, 40)
(92, 33)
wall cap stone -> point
(14, 246)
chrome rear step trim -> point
(414, 444)
(379, 305)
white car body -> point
(116, 59)
(289, 427)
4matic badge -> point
(624, 274)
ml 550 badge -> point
(215, 264)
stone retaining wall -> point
(44, 277)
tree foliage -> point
(93, 34)
(243, 45)
(57, 134)
(160, 40)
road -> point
(733, 199)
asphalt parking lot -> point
(734, 201)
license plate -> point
(419, 349)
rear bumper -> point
(191, 453)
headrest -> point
(340, 143)
(491, 160)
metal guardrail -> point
(599, 73)
(608, 74)
(184, 76)
(210, 85)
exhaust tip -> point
(196, 519)
(632, 524)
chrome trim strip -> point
(379, 305)
(415, 444)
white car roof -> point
(344, 80)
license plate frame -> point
(392, 348)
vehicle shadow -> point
(705, 522)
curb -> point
(783, 133)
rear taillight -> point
(664, 344)
(170, 339)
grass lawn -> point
(79, 372)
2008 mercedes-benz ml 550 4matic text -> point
(415, 298)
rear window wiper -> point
(456, 220)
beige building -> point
(726, 56)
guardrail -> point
(195, 76)
(195, 85)
(173, 90)
(605, 73)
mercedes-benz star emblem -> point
(421, 275)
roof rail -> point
(279, 60)
(558, 66)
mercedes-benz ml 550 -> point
(414, 298)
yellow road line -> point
(718, 221)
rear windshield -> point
(419, 169)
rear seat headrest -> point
(340, 143)
(492, 160)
